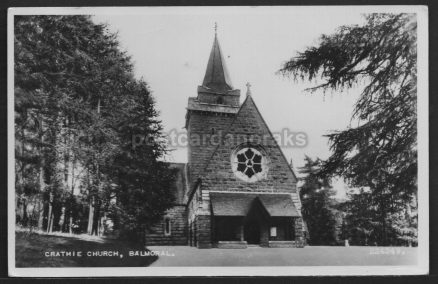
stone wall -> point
(226, 99)
(203, 231)
(210, 160)
(299, 232)
(201, 128)
(178, 233)
(249, 127)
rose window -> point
(249, 164)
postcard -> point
(202, 141)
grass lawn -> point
(33, 250)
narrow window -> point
(220, 101)
(273, 231)
(167, 228)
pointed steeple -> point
(216, 76)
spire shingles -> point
(216, 76)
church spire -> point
(216, 76)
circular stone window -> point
(249, 164)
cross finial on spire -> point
(216, 76)
(248, 89)
(215, 28)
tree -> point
(364, 223)
(142, 181)
(74, 98)
(317, 210)
(379, 58)
(359, 221)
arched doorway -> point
(255, 224)
(252, 231)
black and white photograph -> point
(229, 141)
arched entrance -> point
(252, 231)
(253, 222)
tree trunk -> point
(40, 212)
(70, 220)
(94, 217)
(50, 214)
(23, 150)
(102, 224)
(50, 220)
(73, 181)
(383, 223)
(91, 216)
(96, 221)
(25, 217)
(70, 226)
(61, 222)
(41, 178)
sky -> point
(170, 50)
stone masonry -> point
(218, 127)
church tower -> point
(241, 189)
(211, 111)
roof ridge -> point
(275, 140)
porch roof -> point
(239, 204)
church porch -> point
(243, 220)
(241, 232)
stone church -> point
(237, 189)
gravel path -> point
(257, 256)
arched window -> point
(167, 226)
(220, 101)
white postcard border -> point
(422, 266)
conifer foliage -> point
(378, 152)
(77, 109)
(317, 205)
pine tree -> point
(75, 97)
(140, 177)
(378, 220)
(317, 210)
(380, 151)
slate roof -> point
(239, 204)
(216, 76)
